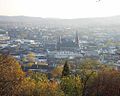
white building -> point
(65, 54)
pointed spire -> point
(77, 38)
(60, 40)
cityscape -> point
(59, 47)
(47, 44)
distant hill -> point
(19, 18)
(114, 20)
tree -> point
(11, 75)
(107, 83)
(88, 70)
(57, 72)
(44, 87)
(31, 57)
(66, 70)
(71, 85)
(15, 82)
(26, 87)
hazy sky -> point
(60, 8)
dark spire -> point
(77, 39)
(60, 40)
(59, 43)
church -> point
(68, 44)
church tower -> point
(77, 39)
(59, 43)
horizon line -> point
(58, 17)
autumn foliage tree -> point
(45, 87)
(88, 71)
(91, 79)
(71, 85)
(107, 83)
(15, 82)
(57, 72)
(10, 76)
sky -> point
(66, 9)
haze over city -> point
(66, 9)
(59, 47)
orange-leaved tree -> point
(11, 75)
